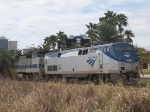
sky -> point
(30, 21)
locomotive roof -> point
(91, 47)
(100, 45)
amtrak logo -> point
(126, 54)
(91, 61)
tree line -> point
(109, 29)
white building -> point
(78, 37)
(12, 45)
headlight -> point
(129, 60)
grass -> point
(146, 71)
(145, 81)
(61, 97)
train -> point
(112, 62)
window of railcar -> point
(40, 54)
(28, 56)
(80, 52)
(59, 54)
(85, 52)
(106, 49)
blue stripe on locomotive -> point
(28, 66)
(37, 65)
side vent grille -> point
(52, 68)
(49, 68)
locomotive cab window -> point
(106, 49)
(85, 52)
(80, 52)
(59, 54)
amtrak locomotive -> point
(103, 63)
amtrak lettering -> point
(91, 60)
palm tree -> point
(61, 36)
(121, 20)
(129, 34)
(44, 48)
(51, 41)
(18, 52)
(92, 30)
(107, 33)
(110, 17)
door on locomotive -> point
(105, 64)
(100, 59)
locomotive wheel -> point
(124, 79)
(95, 79)
(67, 79)
(36, 76)
(46, 77)
(55, 77)
(60, 77)
(51, 77)
(30, 77)
(24, 77)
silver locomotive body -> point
(30, 66)
(108, 63)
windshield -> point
(121, 48)
(125, 53)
